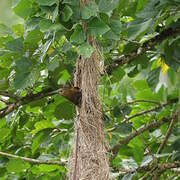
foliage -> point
(40, 53)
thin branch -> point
(161, 147)
(148, 45)
(160, 167)
(27, 99)
(8, 94)
(151, 110)
(4, 101)
(30, 160)
(144, 101)
(7, 110)
(139, 131)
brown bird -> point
(73, 94)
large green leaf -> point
(117, 75)
(5, 132)
(78, 35)
(85, 50)
(33, 37)
(23, 8)
(66, 13)
(97, 27)
(41, 125)
(25, 74)
(4, 30)
(172, 54)
(15, 45)
(89, 10)
(153, 78)
(17, 165)
(46, 2)
(64, 111)
(107, 5)
(138, 28)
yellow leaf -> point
(163, 65)
(50, 51)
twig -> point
(30, 160)
(160, 167)
(25, 100)
(8, 94)
(139, 131)
(8, 109)
(173, 120)
(4, 101)
(151, 110)
(143, 100)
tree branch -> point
(144, 101)
(148, 45)
(160, 167)
(30, 160)
(151, 110)
(161, 147)
(139, 131)
(27, 99)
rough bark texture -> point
(88, 159)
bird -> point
(73, 94)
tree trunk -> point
(88, 159)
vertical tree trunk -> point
(88, 159)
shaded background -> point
(6, 14)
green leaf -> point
(45, 24)
(66, 13)
(64, 110)
(18, 29)
(97, 27)
(17, 166)
(5, 132)
(41, 125)
(3, 84)
(124, 129)
(172, 54)
(116, 26)
(54, 63)
(4, 30)
(85, 50)
(137, 29)
(89, 10)
(23, 8)
(46, 2)
(107, 5)
(64, 77)
(47, 168)
(140, 85)
(37, 140)
(33, 37)
(25, 74)
(15, 45)
(44, 168)
(153, 78)
(117, 75)
(78, 35)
